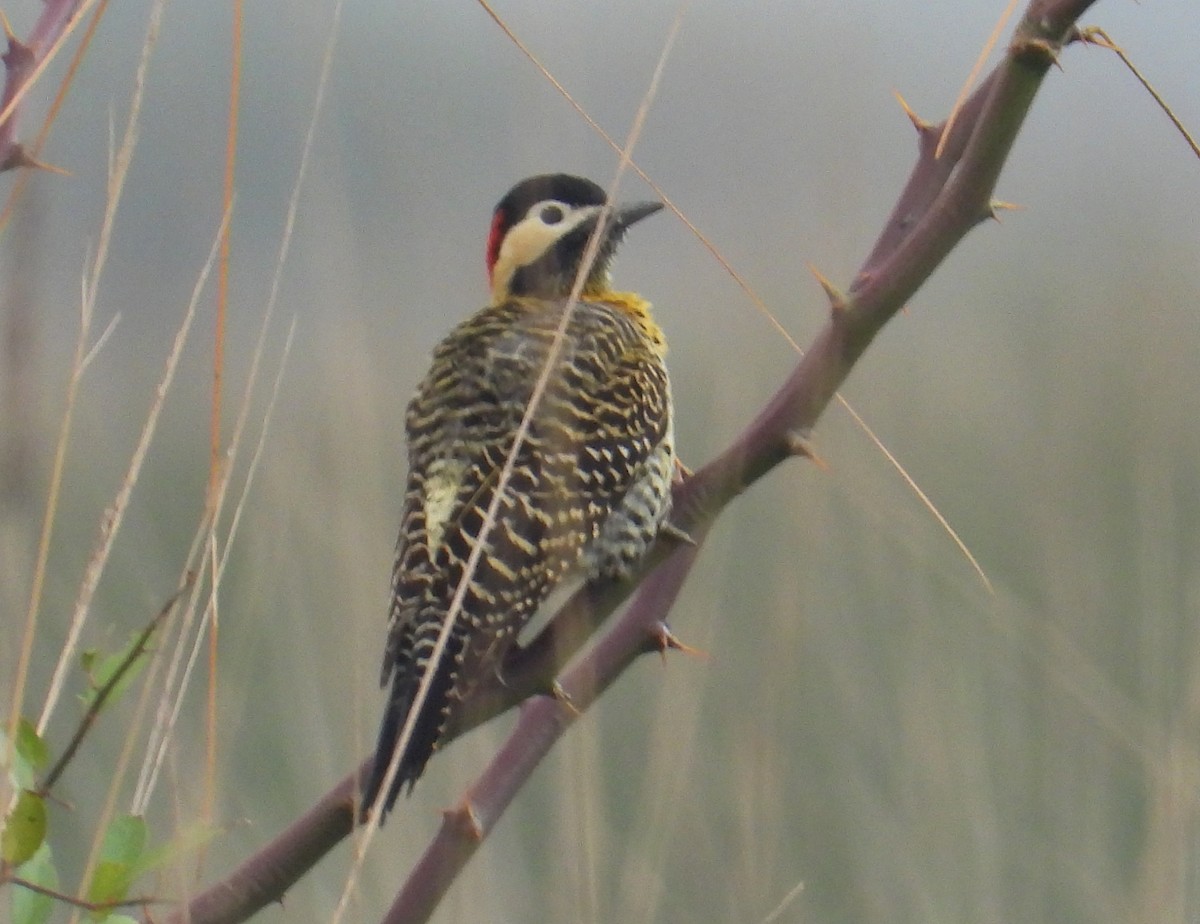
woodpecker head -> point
(540, 231)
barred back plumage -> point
(589, 489)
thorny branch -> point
(943, 199)
(21, 59)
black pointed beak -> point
(627, 215)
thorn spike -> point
(662, 640)
(837, 300)
(15, 45)
(464, 817)
(996, 206)
(798, 444)
(31, 161)
(1038, 50)
(563, 698)
(18, 157)
(923, 127)
(672, 532)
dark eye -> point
(552, 214)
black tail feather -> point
(421, 744)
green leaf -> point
(101, 670)
(125, 839)
(24, 828)
(120, 855)
(22, 774)
(31, 747)
(33, 907)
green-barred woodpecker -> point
(591, 482)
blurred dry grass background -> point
(870, 723)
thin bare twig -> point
(102, 694)
(141, 901)
(111, 522)
(1096, 36)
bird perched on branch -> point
(589, 483)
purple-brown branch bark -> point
(20, 61)
(944, 198)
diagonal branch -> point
(944, 198)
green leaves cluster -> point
(27, 867)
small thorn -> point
(682, 472)
(18, 157)
(18, 49)
(662, 640)
(560, 694)
(996, 206)
(798, 444)
(464, 817)
(43, 165)
(837, 301)
(1038, 51)
(670, 531)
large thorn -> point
(924, 128)
(837, 299)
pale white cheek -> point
(523, 244)
(526, 241)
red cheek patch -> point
(495, 236)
